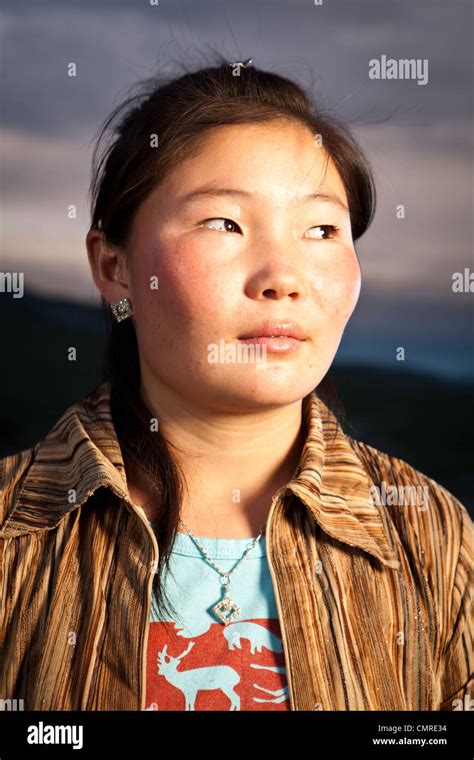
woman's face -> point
(226, 262)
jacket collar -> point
(82, 452)
(336, 488)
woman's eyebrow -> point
(188, 198)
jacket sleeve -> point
(457, 663)
(12, 469)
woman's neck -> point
(231, 467)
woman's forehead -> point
(274, 167)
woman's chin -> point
(252, 390)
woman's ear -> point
(108, 267)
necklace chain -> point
(221, 572)
(226, 604)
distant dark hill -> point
(420, 418)
(39, 382)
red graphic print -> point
(240, 666)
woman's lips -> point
(280, 345)
(275, 329)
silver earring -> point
(122, 309)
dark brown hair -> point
(180, 111)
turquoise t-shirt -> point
(195, 662)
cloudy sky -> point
(417, 137)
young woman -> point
(199, 532)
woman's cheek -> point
(190, 307)
(340, 293)
(187, 271)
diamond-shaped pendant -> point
(226, 604)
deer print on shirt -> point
(223, 677)
(256, 635)
(189, 682)
(278, 696)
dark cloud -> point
(116, 43)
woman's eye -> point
(221, 224)
(323, 230)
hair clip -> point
(241, 63)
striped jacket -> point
(370, 560)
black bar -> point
(445, 734)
